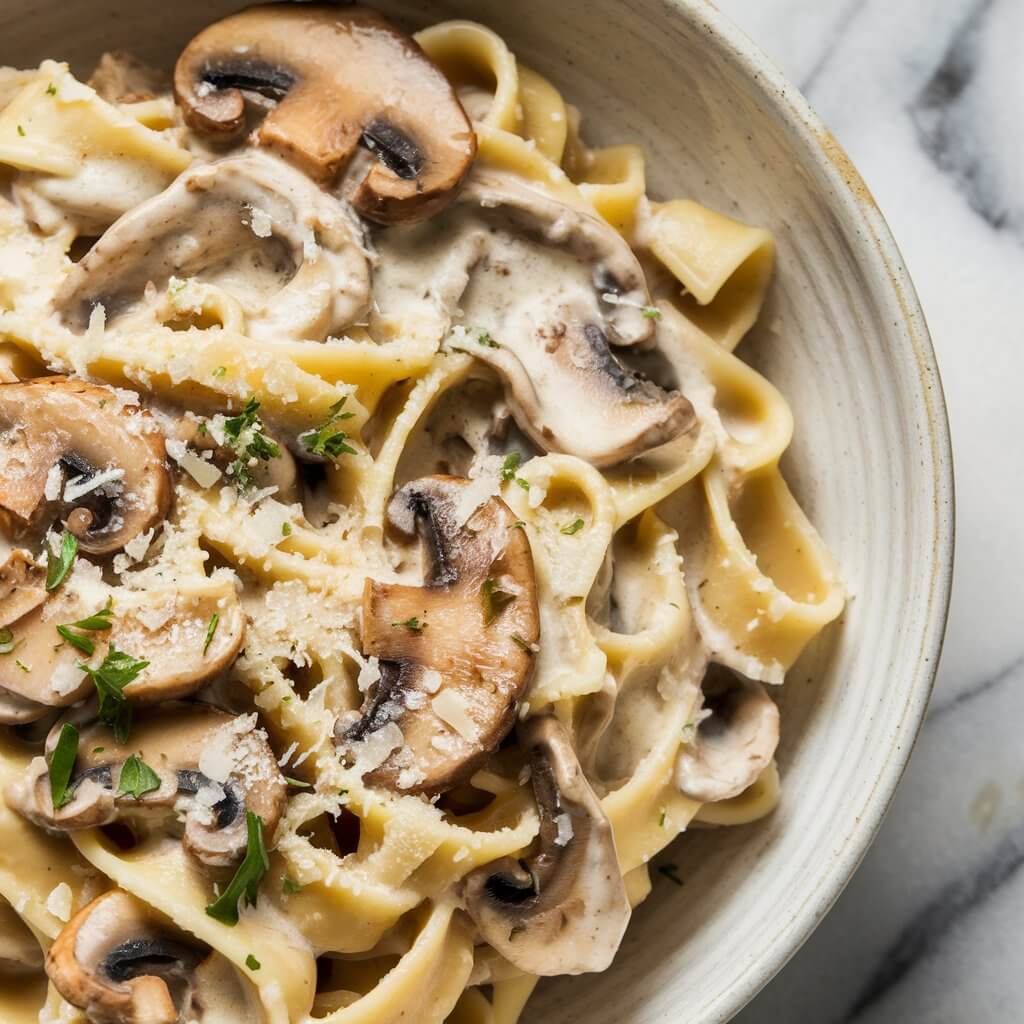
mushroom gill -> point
(211, 768)
(73, 449)
(563, 909)
(287, 251)
(735, 740)
(341, 77)
(545, 294)
(456, 654)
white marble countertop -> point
(927, 96)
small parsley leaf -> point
(62, 764)
(290, 886)
(113, 674)
(298, 783)
(137, 778)
(252, 963)
(58, 566)
(246, 883)
(412, 624)
(574, 527)
(651, 312)
(329, 440)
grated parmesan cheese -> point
(54, 478)
(58, 902)
(565, 831)
(453, 709)
(79, 485)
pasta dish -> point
(395, 554)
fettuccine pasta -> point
(397, 554)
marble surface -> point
(927, 96)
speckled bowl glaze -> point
(843, 337)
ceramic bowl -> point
(843, 337)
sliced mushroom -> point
(108, 460)
(20, 953)
(121, 963)
(250, 224)
(545, 291)
(455, 654)
(211, 766)
(341, 77)
(22, 586)
(564, 909)
(166, 628)
(734, 743)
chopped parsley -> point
(661, 820)
(252, 963)
(574, 527)
(113, 674)
(210, 630)
(22, 665)
(518, 525)
(137, 778)
(290, 886)
(62, 764)
(7, 641)
(484, 338)
(329, 440)
(651, 312)
(244, 433)
(286, 529)
(58, 566)
(412, 624)
(298, 783)
(246, 883)
(494, 599)
(51, 90)
(21, 131)
(671, 872)
(220, 371)
(93, 623)
(509, 469)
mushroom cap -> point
(51, 421)
(451, 686)
(165, 627)
(564, 909)
(206, 223)
(181, 743)
(341, 76)
(734, 744)
(122, 965)
(22, 586)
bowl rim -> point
(857, 210)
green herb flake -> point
(518, 525)
(661, 820)
(298, 783)
(245, 434)
(252, 963)
(98, 750)
(220, 371)
(58, 566)
(651, 312)
(290, 886)
(574, 527)
(82, 643)
(7, 641)
(246, 883)
(62, 764)
(329, 440)
(21, 131)
(22, 665)
(113, 674)
(412, 624)
(51, 90)
(210, 630)
(286, 529)
(494, 599)
(510, 466)
(101, 620)
(484, 338)
(137, 778)
(671, 872)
